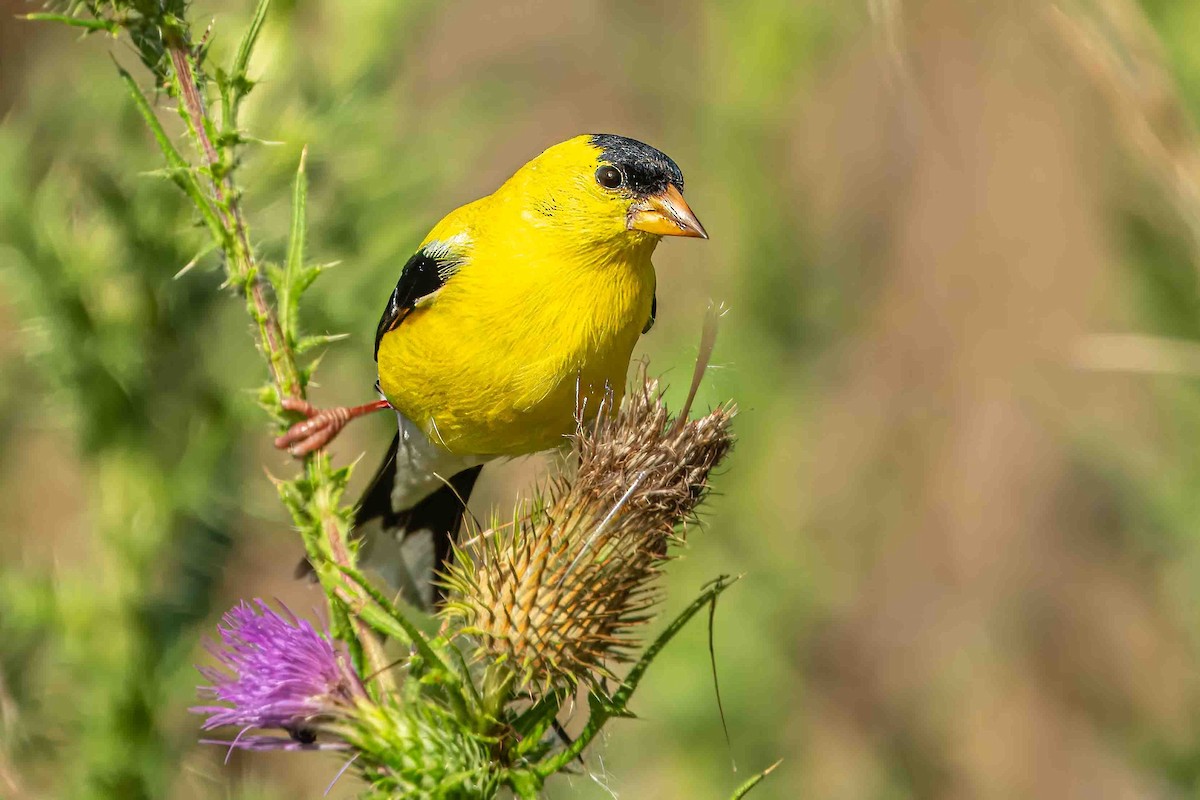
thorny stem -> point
(281, 360)
(353, 598)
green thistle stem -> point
(281, 360)
(239, 253)
(320, 508)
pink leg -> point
(321, 425)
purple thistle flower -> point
(279, 672)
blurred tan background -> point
(960, 247)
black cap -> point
(647, 170)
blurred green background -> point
(960, 244)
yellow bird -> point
(516, 315)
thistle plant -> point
(557, 595)
(539, 608)
(279, 672)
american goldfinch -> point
(513, 319)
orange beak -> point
(665, 214)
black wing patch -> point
(653, 313)
(424, 274)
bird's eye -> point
(609, 177)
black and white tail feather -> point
(408, 545)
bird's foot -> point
(321, 425)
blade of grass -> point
(712, 659)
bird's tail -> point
(408, 545)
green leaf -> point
(389, 620)
(343, 629)
(712, 659)
(464, 669)
(535, 721)
(306, 343)
(411, 633)
(525, 784)
(76, 22)
(291, 283)
(275, 274)
(382, 623)
(745, 788)
(234, 85)
(241, 61)
(186, 268)
(241, 137)
(175, 174)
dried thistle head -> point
(556, 595)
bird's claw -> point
(317, 430)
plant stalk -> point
(244, 272)
(281, 359)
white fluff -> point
(423, 466)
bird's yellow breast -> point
(527, 333)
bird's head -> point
(603, 188)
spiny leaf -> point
(306, 372)
(745, 788)
(288, 283)
(241, 137)
(304, 276)
(242, 60)
(711, 592)
(171, 173)
(389, 620)
(76, 22)
(306, 343)
(186, 268)
(525, 784)
(343, 629)
(219, 171)
(275, 274)
(382, 623)
(295, 257)
(535, 721)
(267, 397)
(411, 632)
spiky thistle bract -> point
(558, 595)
